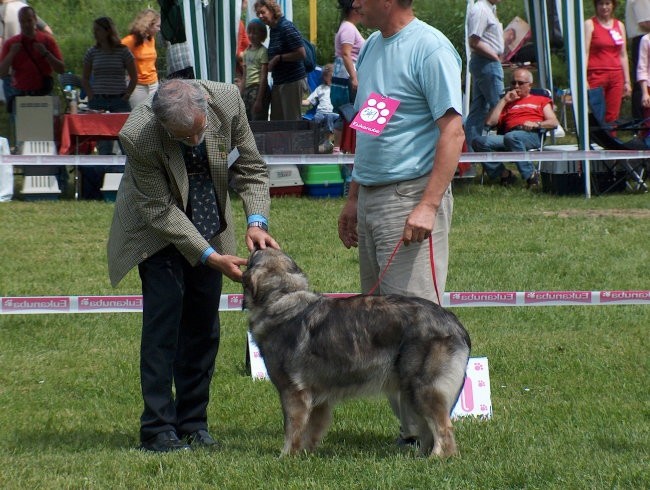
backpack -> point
(310, 55)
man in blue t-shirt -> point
(400, 189)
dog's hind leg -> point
(296, 407)
(319, 422)
(436, 432)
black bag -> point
(47, 86)
(310, 56)
(339, 92)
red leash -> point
(390, 259)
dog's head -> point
(271, 272)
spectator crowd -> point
(120, 72)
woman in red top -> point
(607, 64)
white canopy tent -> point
(212, 28)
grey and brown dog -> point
(320, 350)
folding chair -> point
(622, 174)
(543, 133)
(314, 79)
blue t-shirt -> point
(285, 38)
(420, 68)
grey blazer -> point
(149, 207)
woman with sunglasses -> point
(607, 63)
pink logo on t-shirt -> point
(374, 114)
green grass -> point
(569, 384)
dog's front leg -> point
(296, 407)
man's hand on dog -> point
(258, 238)
(230, 265)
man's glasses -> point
(188, 139)
(517, 83)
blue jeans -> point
(326, 119)
(512, 141)
(487, 87)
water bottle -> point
(73, 102)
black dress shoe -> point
(533, 181)
(201, 439)
(164, 442)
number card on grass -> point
(474, 399)
(258, 369)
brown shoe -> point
(508, 179)
(533, 180)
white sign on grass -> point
(474, 399)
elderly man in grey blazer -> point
(185, 148)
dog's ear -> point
(250, 280)
(247, 276)
(293, 267)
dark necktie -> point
(203, 209)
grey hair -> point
(529, 74)
(178, 101)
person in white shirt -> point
(325, 115)
(485, 39)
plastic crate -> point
(110, 185)
(285, 180)
(323, 180)
(285, 137)
(321, 174)
(562, 178)
(324, 190)
(40, 188)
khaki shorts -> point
(382, 213)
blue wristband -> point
(206, 254)
(257, 218)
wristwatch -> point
(259, 224)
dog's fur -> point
(319, 350)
